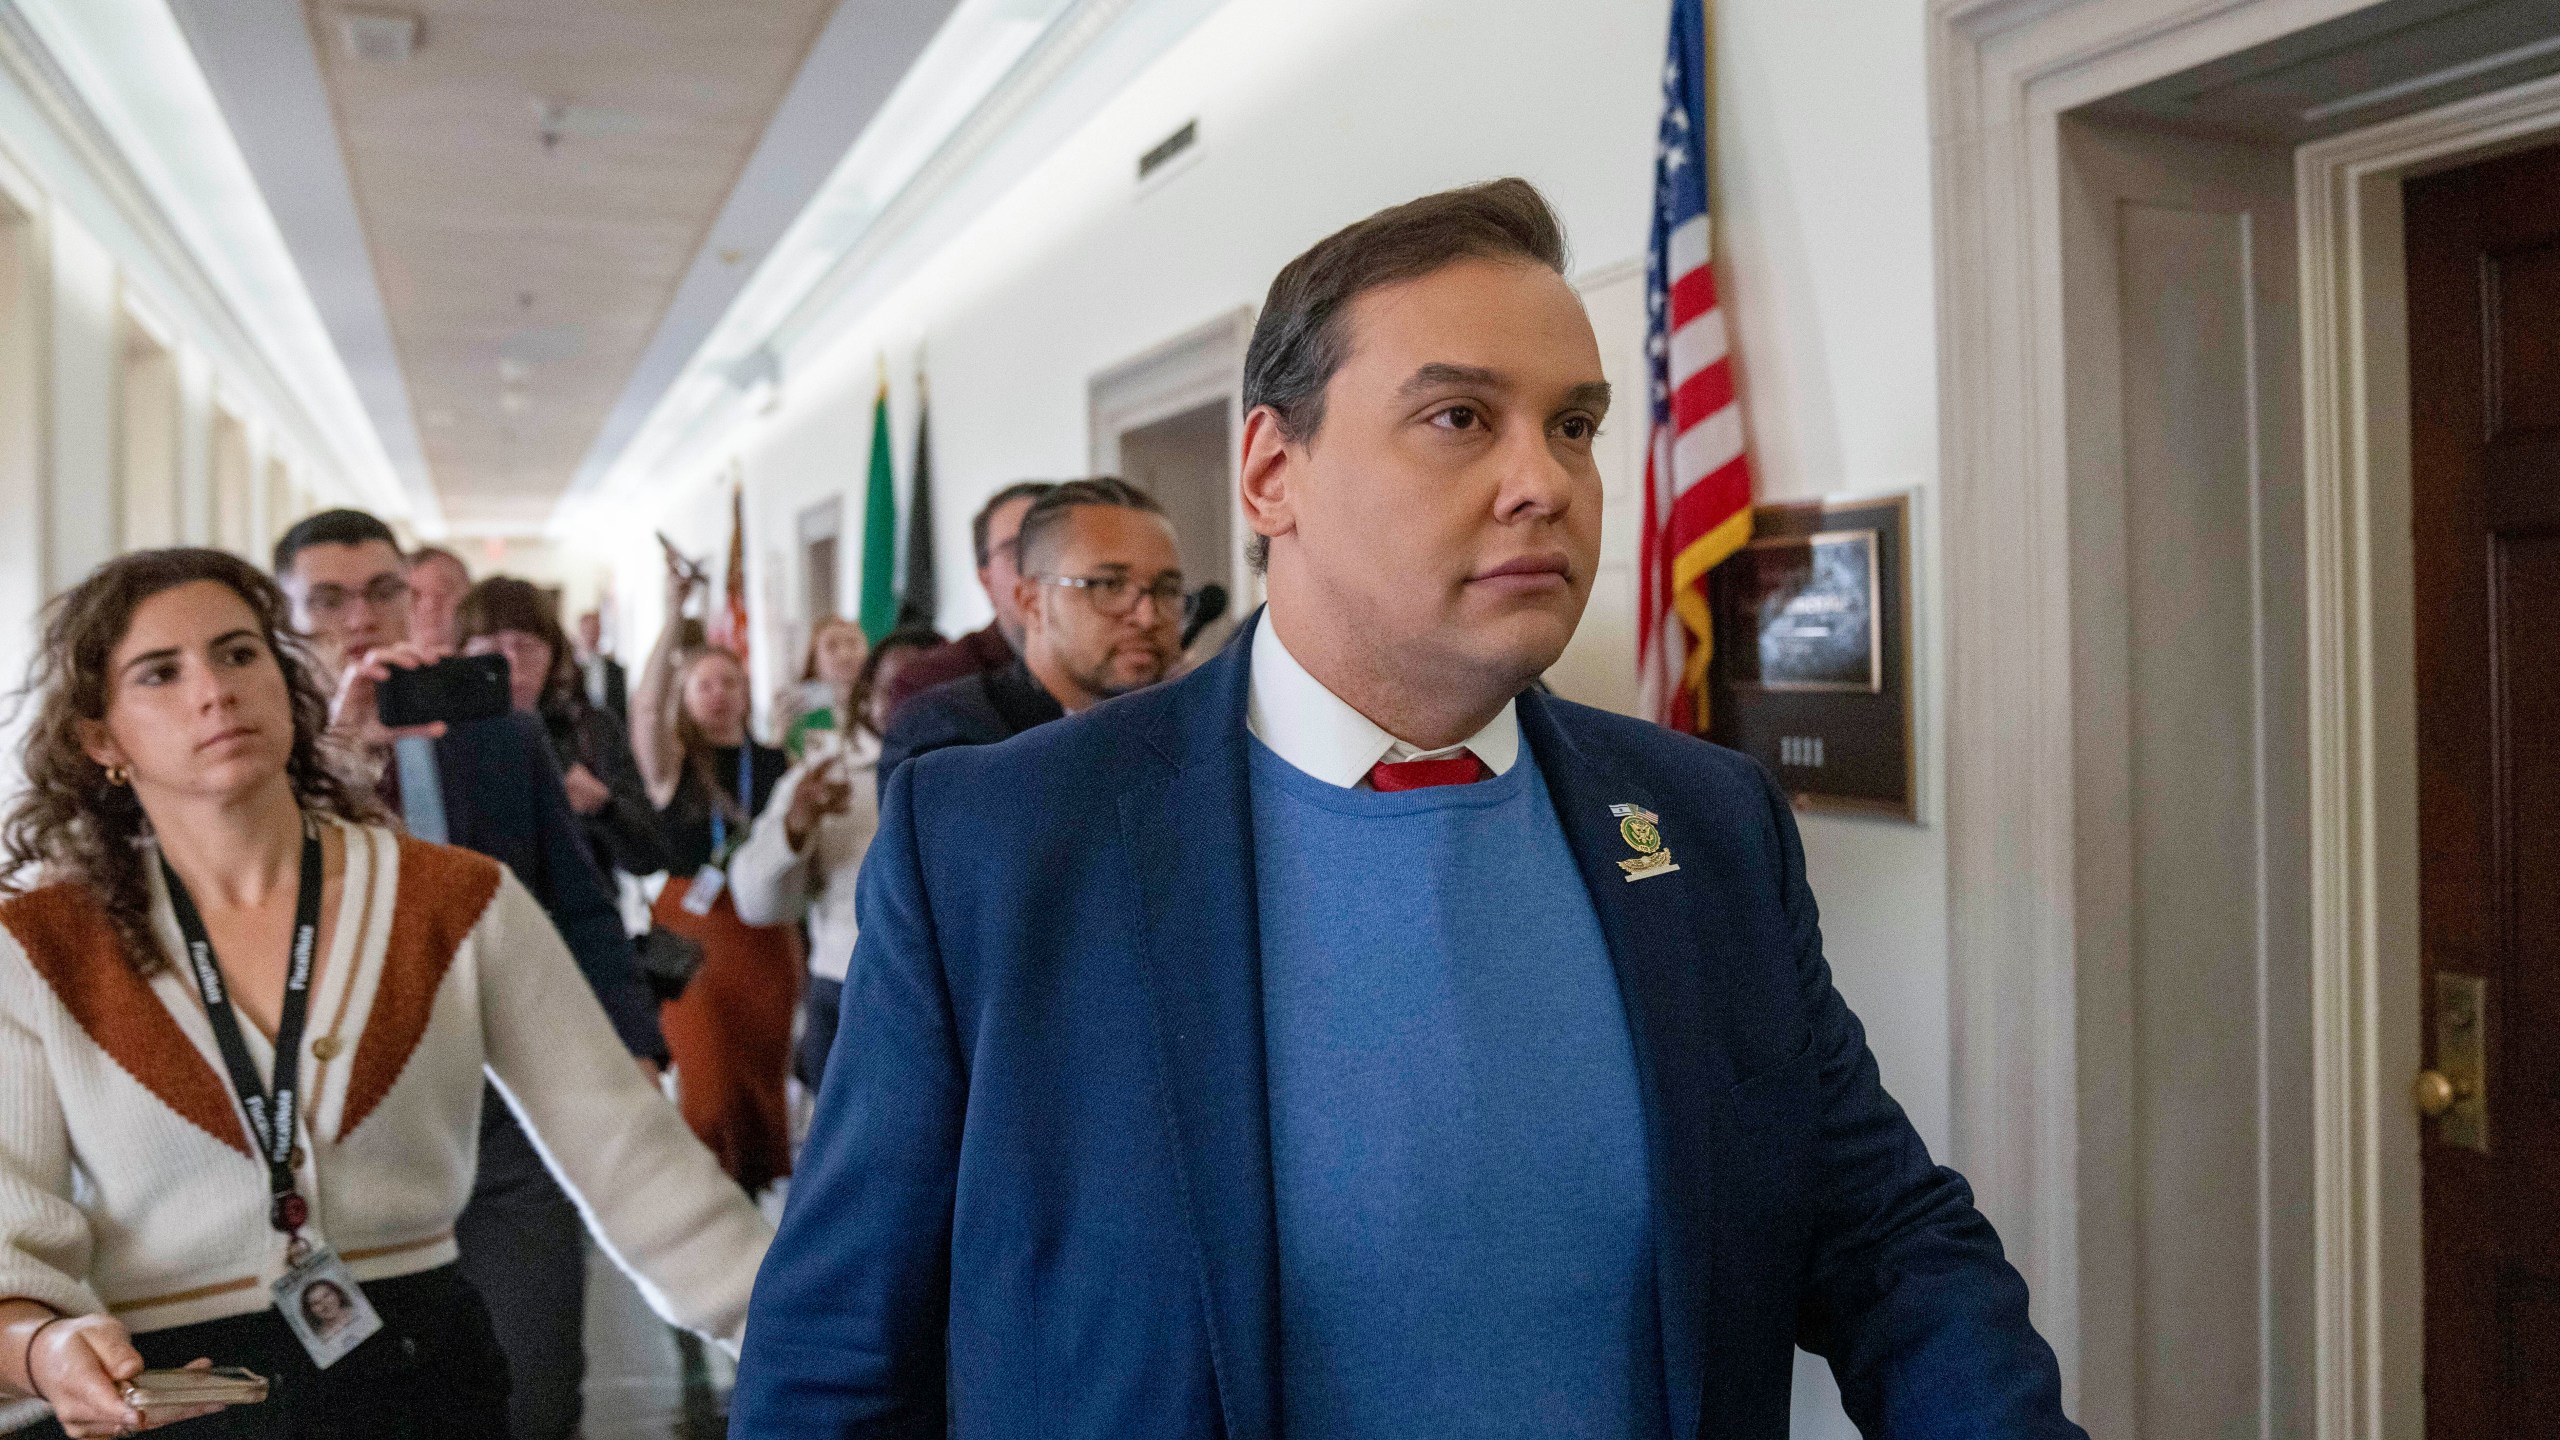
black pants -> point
(817, 1030)
(525, 1250)
(432, 1372)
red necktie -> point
(1462, 768)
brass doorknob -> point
(2433, 1093)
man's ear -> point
(1026, 600)
(1269, 470)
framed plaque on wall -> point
(1812, 670)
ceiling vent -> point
(1169, 147)
(379, 37)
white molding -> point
(1201, 366)
(2002, 75)
(28, 61)
(2363, 762)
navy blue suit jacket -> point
(1037, 1196)
(503, 798)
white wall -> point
(96, 249)
(1315, 112)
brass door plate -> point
(2462, 1055)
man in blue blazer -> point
(1349, 1040)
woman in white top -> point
(194, 890)
(806, 850)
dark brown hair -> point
(70, 823)
(503, 602)
(985, 519)
(1049, 513)
(866, 686)
(331, 527)
(1300, 340)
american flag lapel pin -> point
(1642, 830)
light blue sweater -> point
(1466, 1243)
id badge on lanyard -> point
(321, 1302)
(713, 878)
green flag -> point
(880, 528)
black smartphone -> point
(467, 687)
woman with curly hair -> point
(244, 1029)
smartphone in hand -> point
(467, 687)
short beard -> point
(1098, 681)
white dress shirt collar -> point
(1318, 732)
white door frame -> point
(2002, 75)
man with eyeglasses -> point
(490, 786)
(1101, 600)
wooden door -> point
(2484, 364)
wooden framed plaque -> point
(1812, 669)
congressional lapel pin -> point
(1642, 830)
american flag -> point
(1697, 481)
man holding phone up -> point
(488, 785)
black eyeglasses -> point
(1116, 595)
(385, 592)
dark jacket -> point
(975, 653)
(981, 709)
(617, 685)
(502, 797)
(1037, 1194)
(624, 834)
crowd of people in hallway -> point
(268, 726)
(1277, 1041)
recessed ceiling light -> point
(381, 37)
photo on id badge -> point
(325, 1308)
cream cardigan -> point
(127, 1182)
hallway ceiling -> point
(533, 183)
(512, 213)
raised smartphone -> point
(467, 687)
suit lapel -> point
(1662, 936)
(1189, 831)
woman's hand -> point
(683, 578)
(80, 1365)
(587, 794)
(824, 791)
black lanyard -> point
(271, 1118)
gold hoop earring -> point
(119, 776)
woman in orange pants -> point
(730, 1031)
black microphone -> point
(1201, 609)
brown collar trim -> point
(69, 941)
(441, 893)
